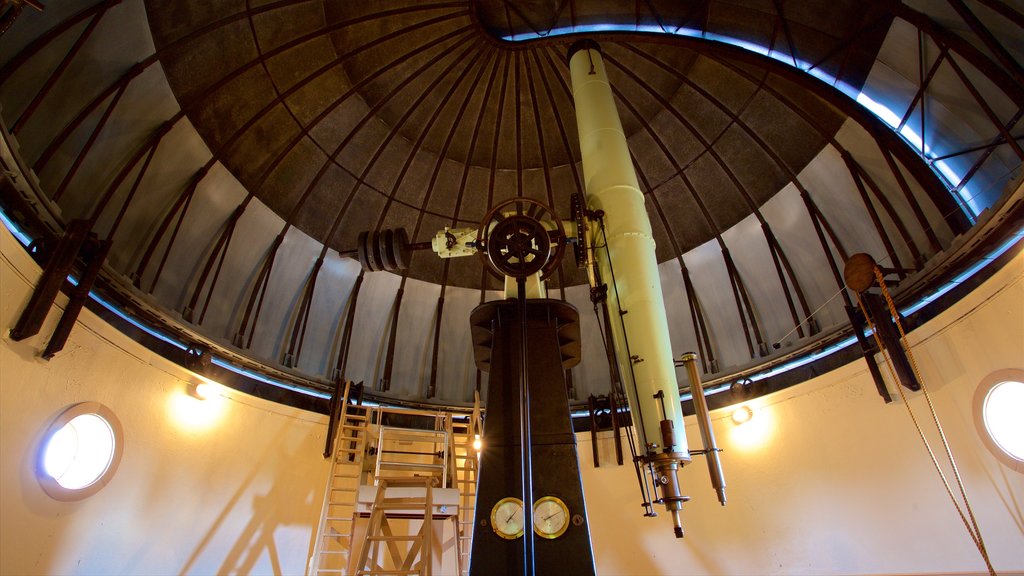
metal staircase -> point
(401, 494)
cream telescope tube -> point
(629, 265)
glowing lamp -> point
(203, 390)
(742, 414)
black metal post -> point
(524, 431)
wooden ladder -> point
(465, 466)
(332, 549)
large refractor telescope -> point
(622, 249)
(522, 241)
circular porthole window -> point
(80, 451)
(998, 405)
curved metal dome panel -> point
(233, 152)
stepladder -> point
(410, 513)
(386, 464)
(406, 528)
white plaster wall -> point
(230, 485)
(825, 480)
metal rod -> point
(44, 39)
(43, 92)
(1005, 11)
(182, 204)
(697, 317)
(592, 404)
(88, 144)
(86, 111)
(883, 200)
(915, 206)
(1002, 55)
(820, 227)
(731, 270)
(131, 191)
(346, 337)
(924, 84)
(432, 386)
(389, 359)
(985, 156)
(995, 142)
(963, 47)
(992, 116)
(853, 168)
(614, 405)
(222, 251)
(259, 290)
(707, 433)
(526, 442)
(298, 335)
(775, 249)
(152, 142)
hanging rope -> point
(972, 524)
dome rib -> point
(360, 180)
(234, 203)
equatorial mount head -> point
(521, 237)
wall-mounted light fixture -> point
(199, 405)
(202, 390)
(478, 444)
(198, 359)
(742, 415)
(753, 427)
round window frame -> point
(988, 383)
(48, 483)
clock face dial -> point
(507, 518)
(550, 517)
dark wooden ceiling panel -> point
(440, 121)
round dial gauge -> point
(507, 518)
(550, 517)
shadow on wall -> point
(287, 501)
(42, 507)
(1004, 490)
(1002, 480)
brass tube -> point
(707, 433)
